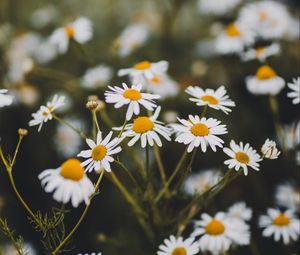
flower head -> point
(217, 7)
(288, 196)
(261, 53)
(295, 90)
(269, 150)
(240, 211)
(4, 98)
(96, 76)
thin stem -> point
(204, 111)
(123, 127)
(81, 217)
(147, 166)
(160, 164)
(16, 151)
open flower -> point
(147, 129)
(283, 225)
(68, 182)
(100, 153)
(240, 211)
(217, 100)
(295, 93)
(261, 53)
(200, 132)
(131, 96)
(269, 150)
(96, 76)
(288, 196)
(4, 98)
(217, 7)
(242, 157)
(178, 246)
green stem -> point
(204, 111)
(160, 164)
(123, 127)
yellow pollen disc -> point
(50, 107)
(259, 51)
(265, 72)
(200, 130)
(179, 251)
(142, 125)
(142, 65)
(69, 31)
(242, 157)
(132, 94)
(281, 220)
(215, 227)
(263, 15)
(71, 169)
(232, 30)
(156, 80)
(210, 99)
(99, 152)
(45, 114)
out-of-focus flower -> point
(283, 225)
(68, 182)
(288, 195)
(81, 31)
(26, 94)
(295, 93)
(198, 183)
(241, 157)
(93, 253)
(169, 116)
(28, 248)
(217, 100)
(5, 99)
(261, 53)
(217, 7)
(146, 129)
(96, 77)
(133, 97)
(100, 152)
(293, 32)
(292, 135)
(269, 150)
(43, 16)
(240, 211)
(265, 82)
(45, 52)
(200, 132)
(178, 246)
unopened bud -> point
(92, 105)
(22, 132)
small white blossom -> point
(269, 150)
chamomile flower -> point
(240, 211)
(96, 76)
(200, 132)
(292, 135)
(147, 130)
(178, 246)
(5, 99)
(68, 182)
(269, 150)
(45, 112)
(261, 53)
(265, 82)
(79, 30)
(242, 156)
(217, 100)
(295, 93)
(282, 225)
(217, 7)
(133, 97)
(288, 196)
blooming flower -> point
(4, 98)
(147, 129)
(265, 82)
(292, 135)
(200, 132)
(131, 96)
(261, 53)
(178, 246)
(217, 100)
(100, 153)
(96, 76)
(283, 225)
(80, 31)
(68, 182)
(240, 211)
(269, 150)
(242, 157)
(45, 112)
(295, 93)
(288, 195)
(217, 7)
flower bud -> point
(269, 150)
(22, 132)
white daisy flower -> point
(147, 130)
(242, 157)
(178, 246)
(45, 112)
(217, 7)
(288, 195)
(200, 132)
(295, 93)
(131, 96)
(283, 225)
(81, 31)
(218, 233)
(96, 76)
(68, 182)
(217, 100)
(5, 99)
(197, 183)
(265, 82)
(292, 135)
(261, 53)
(269, 150)
(240, 211)
(100, 153)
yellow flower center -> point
(69, 31)
(210, 99)
(242, 157)
(265, 72)
(263, 15)
(200, 130)
(215, 227)
(259, 51)
(142, 125)
(142, 65)
(156, 80)
(50, 107)
(232, 30)
(179, 251)
(99, 152)
(132, 94)
(281, 220)
(45, 114)
(71, 169)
